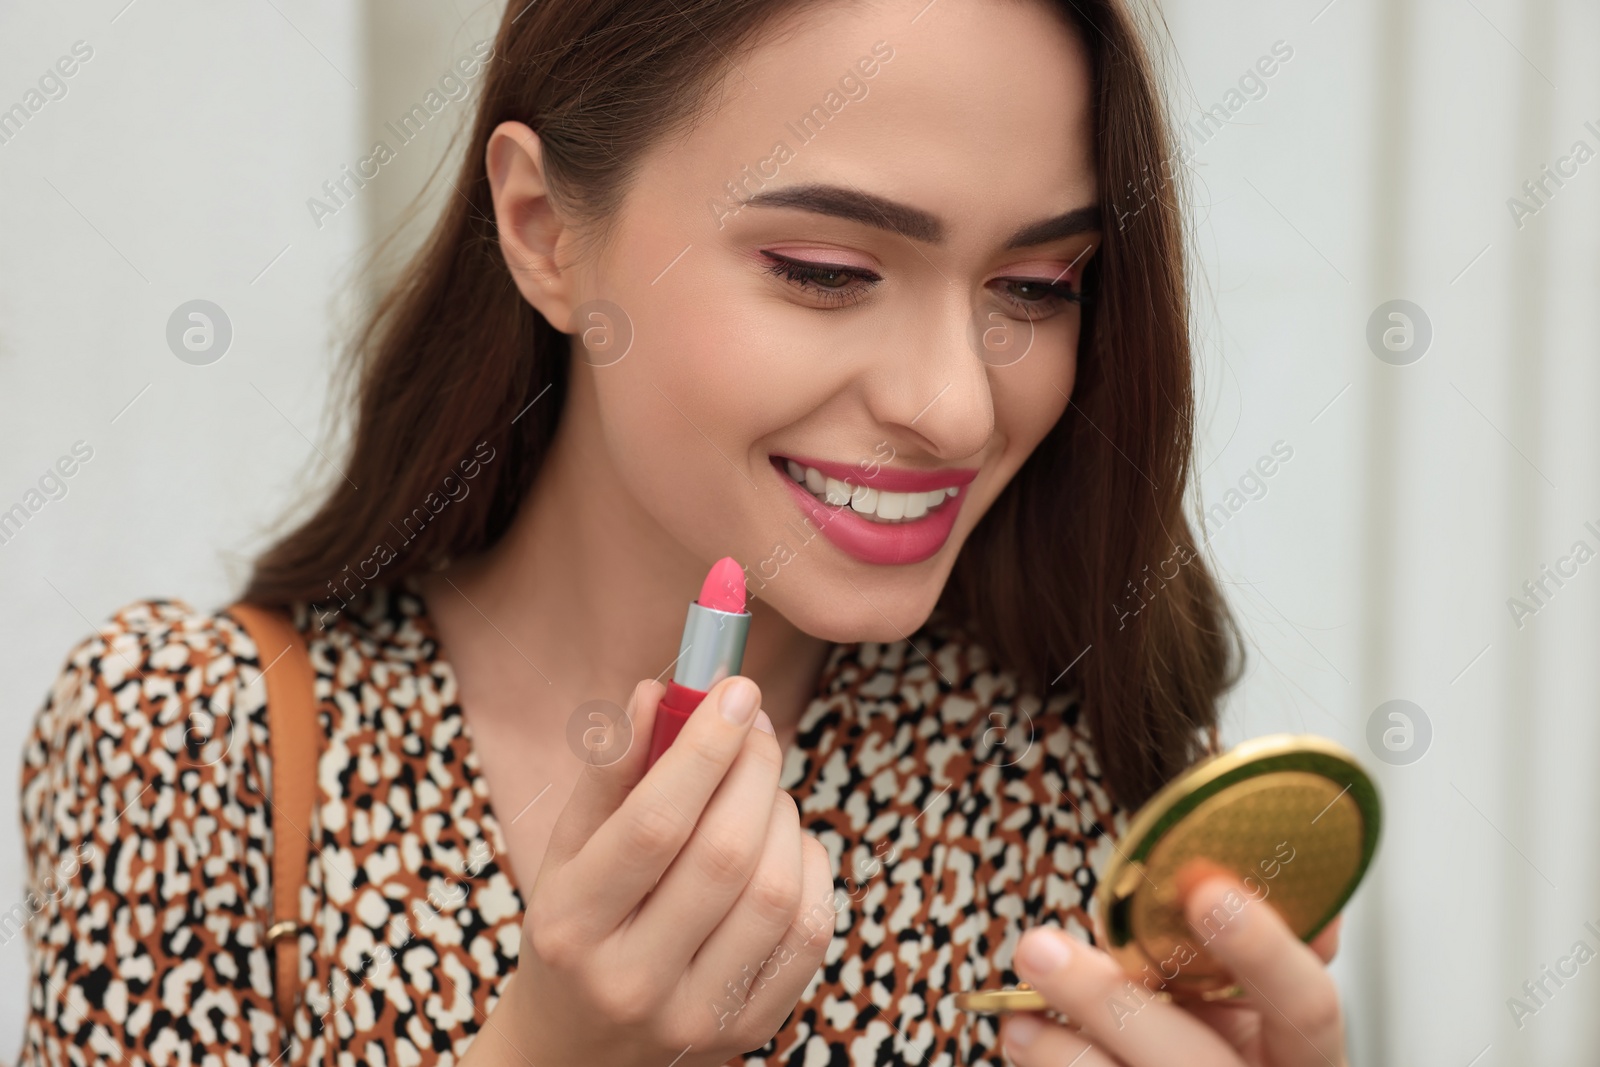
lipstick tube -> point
(712, 649)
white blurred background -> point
(1426, 482)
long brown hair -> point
(1087, 559)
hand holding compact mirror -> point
(1293, 816)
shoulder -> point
(148, 654)
(169, 692)
(380, 648)
(160, 696)
(146, 827)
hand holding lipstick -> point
(680, 910)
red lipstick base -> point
(670, 716)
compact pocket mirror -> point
(1294, 816)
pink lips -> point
(878, 542)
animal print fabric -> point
(956, 816)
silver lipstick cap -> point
(712, 648)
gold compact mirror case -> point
(1294, 816)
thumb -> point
(614, 755)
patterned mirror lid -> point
(1293, 816)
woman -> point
(832, 289)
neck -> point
(585, 594)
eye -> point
(825, 281)
(1032, 298)
(1037, 299)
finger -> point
(721, 861)
(1030, 1040)
(1326, 944)
(1198, 869)
(605, 782)
(627, 854)
(1301, 1022)
(732, 965)
(1117, 1015)
(802, 948)
(1237, 1020)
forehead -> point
(975, 110)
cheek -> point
(1031, 395)
(682, 415)
(717, 371)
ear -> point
(532, 234)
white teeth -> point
(891, 505)
(877, 505)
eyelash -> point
(805, 275)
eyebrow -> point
(857, 206)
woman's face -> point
(884, 311)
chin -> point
(882, 608)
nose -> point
(931, 392)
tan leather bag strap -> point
(294, 735)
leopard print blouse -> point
(955, 813)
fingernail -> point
(764, 724)
(1022, 1029)
(739, 701)
(1044, 951)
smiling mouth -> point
(874, 505)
